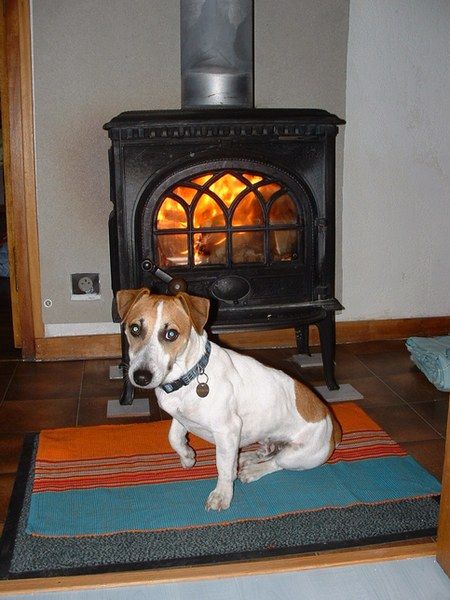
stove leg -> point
(327, 344)
(302, 339)
(127, 396)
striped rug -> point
(115, 496)
(89, 458)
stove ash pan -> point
(239, 203)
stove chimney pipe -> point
(216, 53)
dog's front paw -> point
(218, 500)
(188, 458)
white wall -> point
(93, 59)
(396, 215)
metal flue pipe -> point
(216, 53)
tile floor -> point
(34, 396)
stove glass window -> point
(227, 218)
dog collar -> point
(192, 374)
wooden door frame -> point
(443, 540)
(20, 179)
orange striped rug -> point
(140, 454)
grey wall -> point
(96, 58)
(397, 160)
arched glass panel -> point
(187, 193)
(202, 179)
(171, 215)
(283, 244)
(220, 218)
(210, 248)
(247, 247)
(268, 190)
(228, 187)
(172, 250)
(252, 177)
(283, 211)
(248, 212)
(208, 213)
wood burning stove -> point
(237, 202)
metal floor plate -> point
(139, 408)
(345, 392)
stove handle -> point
(175, 285)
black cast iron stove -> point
(240, 203)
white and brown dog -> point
(243, 401)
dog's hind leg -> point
(252, 471)
(265, 451)
(293, 456)
(177, 439)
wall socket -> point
(85, 284)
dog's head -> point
(158, 329)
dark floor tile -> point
(348, 366)
(313, 376)
(271, 357)
(34, 415)
(435, 413)
(46, 380)
(96, 381)
(10, 450)
(388, 363)
(279, 358)
(6, 374)
(402, 423)
(6, 486)
(92, 411)
(163, 415)
(376, 347)
(430, 454)
(7, 349)
(375, 392)
(310, 375)
(7, 369)
(414, 387)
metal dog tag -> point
(202, 390)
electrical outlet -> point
(85, 284)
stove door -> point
(239, 231)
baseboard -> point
(78, 347)
(108, 345)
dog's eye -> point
(171, 335)
(135, 330)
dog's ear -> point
(197, 308)
(125, 299)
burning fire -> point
(210, 247)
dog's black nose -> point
(142, 377)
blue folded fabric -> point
(432, 357)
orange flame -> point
(209, 247)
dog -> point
(226, 398)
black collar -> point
(185, 379)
